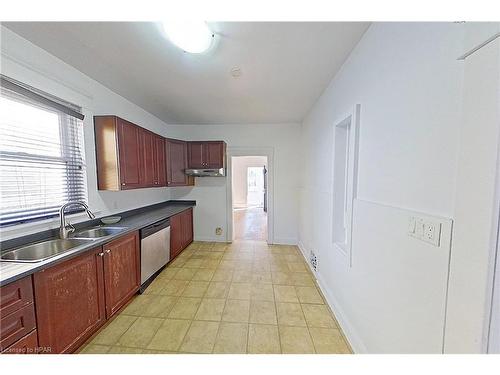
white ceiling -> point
(285, 65)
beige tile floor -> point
(244, 297)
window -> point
(345, 162)
(41, 159)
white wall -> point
(210, 192)
(240, 167)
(477, 197)
(27, 63)
(408, 82)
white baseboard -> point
(285, 241)
(350, 334)
(277, 241)
(209, 239)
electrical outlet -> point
(218, 231)
(314, 261)
(425, 230)
(432, 232)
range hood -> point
(215, 172)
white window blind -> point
(41, 154)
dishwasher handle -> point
(153, 228)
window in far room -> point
(41, 154)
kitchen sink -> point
(96, 233)
(41, 251)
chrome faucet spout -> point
(65, 228)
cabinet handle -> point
(107, 251)
(123, 183)
(101, 254)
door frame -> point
(494, 323)
(250, 151)
(491, 339)
(247, 190)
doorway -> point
(249, 182)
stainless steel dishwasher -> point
(155, 250)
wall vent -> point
(314, 261)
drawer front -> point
(16, 325)
(15, 296)
(27, 345)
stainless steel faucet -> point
(66, 228)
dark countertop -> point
(131, 220)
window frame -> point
(66, 117)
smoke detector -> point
(236, 72)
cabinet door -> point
(187, 227)
(129, 151)
(148, 158)
(176, 235)
(121, 271)
(215, 152)
(197, 155)
(177, 163)
(69, 300)
(161, 165)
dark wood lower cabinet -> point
(69, 301)
(187, 227)
(181, 232)
(17, 318)
(60, 307)
(15, 296)
(175, 235)
(121, 271)
(15, 326)
(27, 345)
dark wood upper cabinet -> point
(216, 154)
(196, 155)
(177, 163)
(206, 154)
(128, 156)
(69, 301)
(161, 161)
(148, 159)
(121, 271)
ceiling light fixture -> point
(190, 36)
(236, 72)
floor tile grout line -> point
(277, 320)
(218, 327)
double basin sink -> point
(47, 249)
